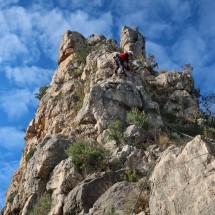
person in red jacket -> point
(122, 61)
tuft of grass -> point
(43, 205)
(138, 118)
(130, 176)
(115, 132)
(30, 154)
(86, 154)
(42, 92)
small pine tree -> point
(138, 118)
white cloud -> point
(190, 48)
(4, 3)
(7, 170)
(11, 47)
(40, 28)
(204, 78)
(84, 4)
(11, 138)
(30, 76)
(50, 35)
(19, 21)
(88, 25)
(206, 18)
(17, 102)
(161, 56)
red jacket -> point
(124, 57)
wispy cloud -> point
(11, 48)
(8, 2)
(190, 48)
(206, 18)
(6, 171)
(161, 56)
(17, 102)
(11, 138)
(28, 76)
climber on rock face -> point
(122, 62)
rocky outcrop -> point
(132, 39)
(84, 99)
(183, 180)
(71, 40)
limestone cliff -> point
(85, 98)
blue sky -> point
(176, 31)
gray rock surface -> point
(83, 196)
(182, 182)
(119, 198)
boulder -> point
(83, 196)
(43, 161)
(64, 178)
(114, 199)
(182, 182)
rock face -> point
(132, 39)
(183, 180)
(70, 41)
(86, 100)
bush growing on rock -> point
(86, 154)
(30, 154)
(115, 132)
(11, 197)
(43, 205)
(130, 176)
(82, 50)
(138, 118)
(42, 92)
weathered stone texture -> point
(183, 181)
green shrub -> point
(209, 132)
(42, 92)
(115, 132)
(130, 176)
(43, 205)
(86, 154)
(11, 197)
(79, 94)
(76, 72)
(81, 50)
(138, 118)
(30, 154)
